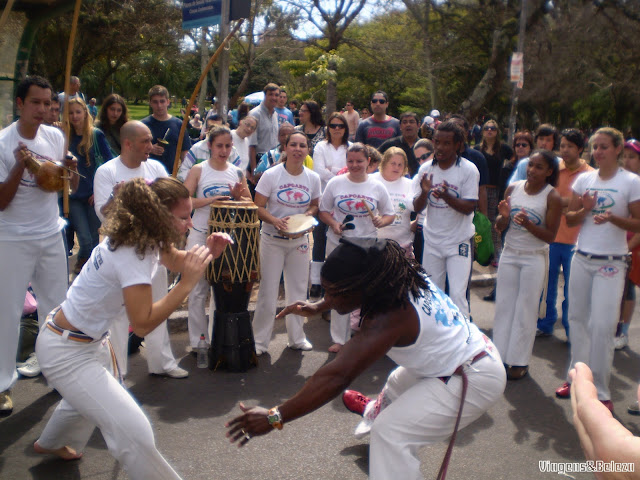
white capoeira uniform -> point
(521, 277)
(401, 193)
(31, 244)
(419, 403)
(160, 358)
(287, 195)
(448, 246)
(212, 183)
(81, 366)
(598, 273)
(343, 197)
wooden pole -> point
(65, 115)
(185, 121)
(6, 12)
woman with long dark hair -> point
(311, 124)
(113, 115)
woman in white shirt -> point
(393, 168)
(73, 346)
(606, 203)
(329, 157)
(359, 196)
(531, 209)
(287, 189)
(215, 179)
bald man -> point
(134, 162)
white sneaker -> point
(175, 373)
(305, 346)
(621, 341)
(30, 368)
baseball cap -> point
(434, 113)
(633, 144)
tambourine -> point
(298, 225)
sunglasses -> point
(491, 128)
(336, 125)
(424, 156)
(378, 100)
(522, 145)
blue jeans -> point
(86, 224)
(560, 254)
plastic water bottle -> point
(203, 353)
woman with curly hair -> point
(89, 145)
(74, 348)
(445, 362)
(113, 115)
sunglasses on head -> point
(336, 125)
(491, 128)
(378, 100)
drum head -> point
(299, 223)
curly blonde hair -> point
(141, 215)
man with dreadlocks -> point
(445, 362)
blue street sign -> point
(200, 13)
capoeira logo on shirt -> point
(215, 190)
(604, 201)
(533, 217)
(293, 196)
(355, 206)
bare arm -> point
(630, 224)
(579, 207)
(312, 211)
(482, 200)
(265, 216)
(175, 259)
(332, 223)
(145, 315)
(9, 187)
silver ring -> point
(247, 436)
(244, 432)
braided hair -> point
(376, 269)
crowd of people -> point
(393, 203)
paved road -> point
(526, 426)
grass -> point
(137, 112)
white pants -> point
(520, 282)
(83, 374)
(43, 263)
(340, 324)
(595, 290)
(452, 262)
(277, 256)
(160, 358)
(198, 322)
(423, 411)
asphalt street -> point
(527, 426)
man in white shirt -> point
(265, 136)
(448, 187)
(134, 162)
(31, 244)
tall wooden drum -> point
(232, 275)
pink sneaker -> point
(355, 401)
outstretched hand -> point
(304, 309)
(252, 423)
(195, 263)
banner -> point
(516, 67)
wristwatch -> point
(274, 418)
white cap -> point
(435, 113)
(428, 120)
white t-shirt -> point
(114, 171)
(446, 340)
(212, 183)
(95, 298)
(401, 193)
(535, 206)
(443, 225)
(33, 213)
(614, 195)
(287, 194)
(199, 153)
(242, 147)
(343, 197)
(329, 160)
